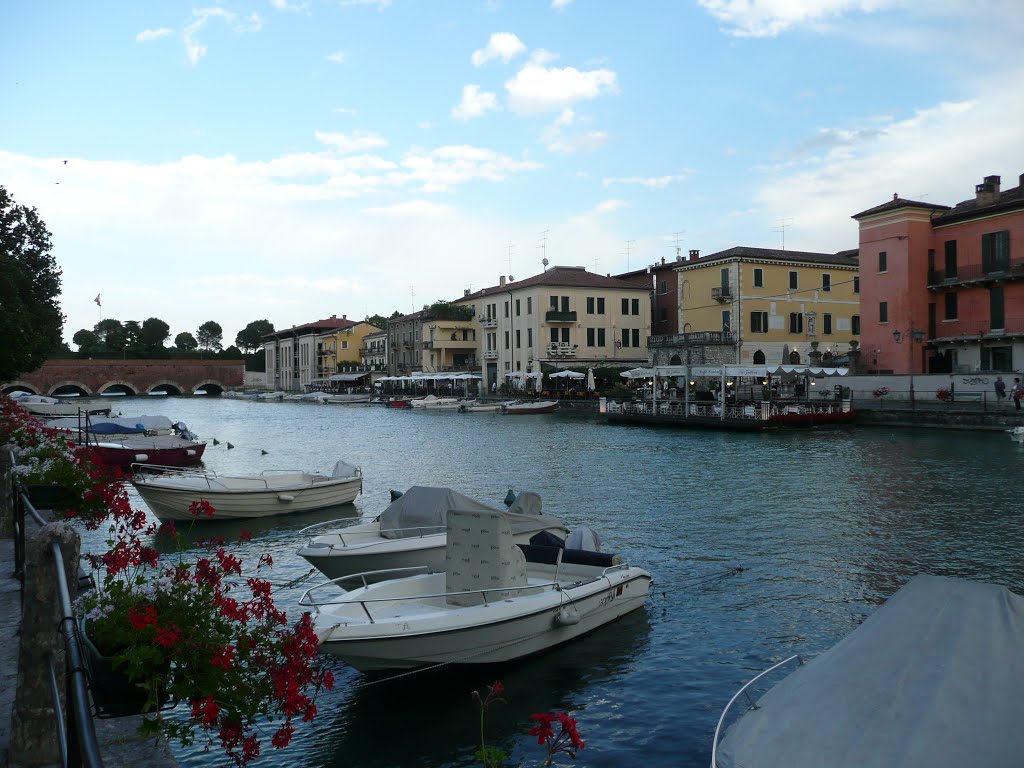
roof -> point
(317, 326)
(563, 277)
(896, 203)
(840, 259)
(652, 269)
(1007, 200)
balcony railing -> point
(490, 354)
(488, 322)
(561, 349)
(975, 273)
(698, 338)
(721, 293)
(556, 316)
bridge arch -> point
(19, 386)
(70, 387)
(118, 386)
(169, 386)
(212, 387)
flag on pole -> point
(97, 300)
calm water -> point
(825, 526)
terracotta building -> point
(942, 288)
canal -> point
(824, 525)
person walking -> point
(1000, 387)
(1018, 392)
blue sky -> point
(294, 159)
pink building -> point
(942, 288)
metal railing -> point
(76, 731)
(696, 337)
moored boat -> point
(53, 407)
(524, 407)
(490, 604)
(170, 493)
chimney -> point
(465, 291)
(344, 317)
(987, 191)
(694, 254)
(501, 281)
(662, 259)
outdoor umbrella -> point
(591, 384)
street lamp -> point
(916, 336)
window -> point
(519, 339)
(856, 283)
(663, 314)
(529, 305)
(506, 309)
(344, 345)
(590, 305)
(826, 282)
(529, 338)
(518, 308)
(759, 322)
(855, 325)
(882, 262)
(506, 339)
(554, 303)
(758, 277)
(793, 284)
(636, 337)
(625, 308)
(951, 306)
(883, 312)
(996, 308)
(950, 258)
(826, 324)
(635, 306)
(565, 303)
(625, 336)
(554, 335)
(664, 287)
(590, 337)
(565, 335)
(725, 281)
(796, 322)
(600, 337)
(726, 320)
(995, 251)
(600, 305)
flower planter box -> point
(113, 694)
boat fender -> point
(566, 617)
(285, 497)
(142, 457)
(189, 452)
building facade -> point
(374, 354)
(662, 280)
(764, 306)
(302, 354)
(564, 317)
(943, 287)
(404, 343)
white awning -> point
(347, 376)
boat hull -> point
(485, 634)
(148, 450)
(173, 503)
(525, 409)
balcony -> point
(555, 316)
(721, 293)
(969, 274)
(699, 338)
(490, 354)
(561, 349)
(488, 322)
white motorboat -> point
(1017, 433)
(53, 407)
(353, 398)
(411, 532)
(932, 679)
(489, 604)
(233, 497)
(432, 401)
(525, 407)
(479, 406)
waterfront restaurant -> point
(745, 397)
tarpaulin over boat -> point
(932, 679)
(424, 509)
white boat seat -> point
(481, 554)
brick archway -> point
(86, 391)
(19, 386)
(117, 383)
(219, 386)
(174, 387)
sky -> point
(290, 160)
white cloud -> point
(651, 182)
(603, 208)
(251, 23)
(286, 5)
(475, 103)
(195, 50)
(357, 141)
(419, 208)
(153, 34)
(338, 57)
(560, 5)
(768, 18)
(582, 142)
(502, 45)
(380, 4)
(446, 167)
(345, 111)
(536, 89)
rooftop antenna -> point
(412, 293)
(544, 247)
(679, 245)
(596, 262)
(508, 257)
(781, 227)
(629, 246)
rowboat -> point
(494, 601)
(170, 493)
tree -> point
(132, 335)
(87, 341)
(209, 336)
(29, 286)
(111, 334)
(250, 338)
(186, 342)
(377, 321)
(154, 333)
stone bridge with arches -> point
(129, 377)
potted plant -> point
(204, 633)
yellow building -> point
(772, 306)
(343, 347)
